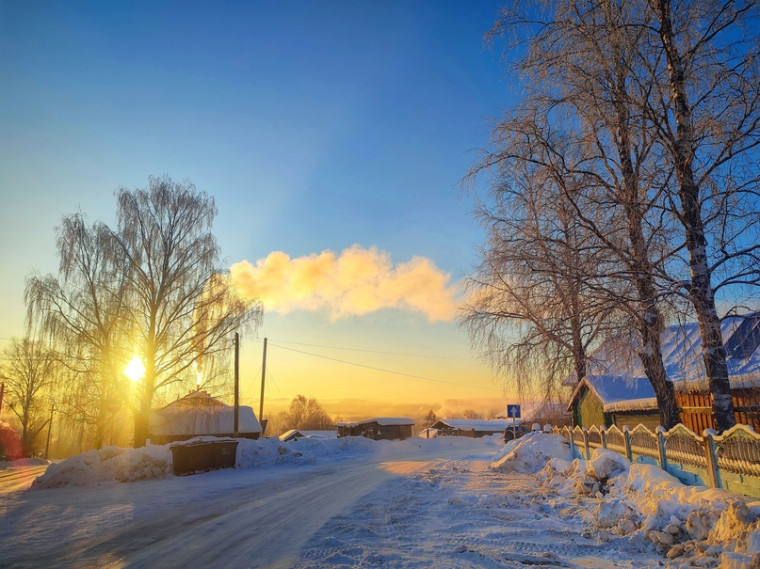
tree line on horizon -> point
(623, 189)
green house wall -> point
(588, 411)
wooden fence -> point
(730, 461)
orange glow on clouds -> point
(356, 282)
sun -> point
(135, 369)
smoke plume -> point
(356, 282)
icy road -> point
(414, 506)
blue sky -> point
(317, 126)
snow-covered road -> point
(230, 518)
(459, 514)
(19, 478)
(433, 504)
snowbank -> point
(530, 453)
(109, 464)
(692, 525)
(113, 464)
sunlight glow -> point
(135, 369)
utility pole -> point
(263, 377)
(50, 428)
(237, 385)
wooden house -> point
(615, 390)
(199, 414)
(389, 428)
(470, 428)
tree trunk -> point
(700, 290)
(650, 321)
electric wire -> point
(406, 354)
(393, 372)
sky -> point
(333, 136)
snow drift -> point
(693, 525)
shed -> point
(389, 428)
(199, 414)
(470, 428)
(616, 390)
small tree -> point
(29, 377)
(472, 415)
(306, 414)
(430, 418)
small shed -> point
(382, 428)
(470, 428)
(295, 434)
(199, 414)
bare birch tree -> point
(706, 103)
(665, 98)
(83, 313)
(586, 132)
(531, 307)
(151, 288)
(181, 307)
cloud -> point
(356, 282)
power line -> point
(377, 368)
(374, 351)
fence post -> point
(712, 458)
(603, 430)
(627, 436)
(585, 443)
(661, 447)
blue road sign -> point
(513, 411)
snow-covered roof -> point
(494, 426)
(615, 373)
(298, 433)
(382, 421)
(200, 414)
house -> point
(470, 428)
(295, 434)
(389, 428)
(199, 414)
(616, 391)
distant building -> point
(295, 434)
(389, 428)
(616, 391)
(469, 428)
(199, 414)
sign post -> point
(514, 412)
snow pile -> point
(530, 453)
(271, 451)
(109, 464)
(692, 525)
(113, 464)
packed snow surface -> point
(354, 502)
